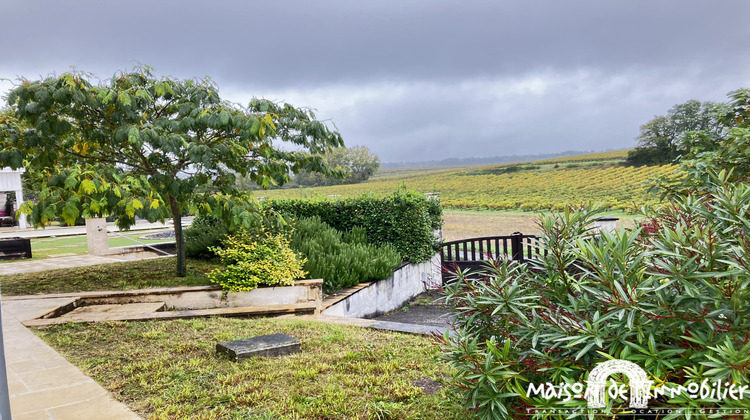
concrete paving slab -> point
(125, 310)
(70, 262)
(42, 384)
(374, 323)
(272, 345)
(35, 308)
(409, 328)
(421, 315)
(239, 311)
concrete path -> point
(70, 262)
(42, 384)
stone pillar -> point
(21, 217)
(96, 237)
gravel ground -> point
(161, 235)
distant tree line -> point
(475, 161)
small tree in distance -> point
(137, 145)
(358, 162)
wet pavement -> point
(426, 309)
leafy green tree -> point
(358, 162)
(661, 140)
(137, 145)
(714, 151)
(30, 180)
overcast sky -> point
(413, 80)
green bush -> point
(204, 233)
(252, 260)
(404, 219)
(341, 259)
(672, 296)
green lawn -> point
(47, 247)
(170, 369)
(141, 274)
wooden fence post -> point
(516, 246)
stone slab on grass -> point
(262, 346)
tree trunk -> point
(179, 238)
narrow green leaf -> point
(585, 350)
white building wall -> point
(10, 180)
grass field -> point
(533, 186)
(46, 247)
(464, 224)
(53, 246)
(141, 274)
(170, 370)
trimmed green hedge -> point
(404, 219)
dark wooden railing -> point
(471, 253)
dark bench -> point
(15, 248)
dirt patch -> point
(427, 385)
(463, 224)
(473, 224)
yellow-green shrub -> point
(254, 260)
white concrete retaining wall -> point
(389, 294)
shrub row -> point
(341, 259)
(405, 219)
(204, 233)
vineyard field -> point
(618, 155)
(540, 186)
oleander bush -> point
(255, 259)
(341, 259)
(672, 296)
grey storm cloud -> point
(414, 80)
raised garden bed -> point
(305, 296)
